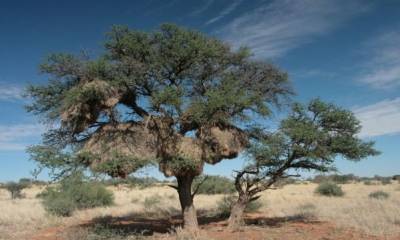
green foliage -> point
(386, 181)
(118, 164)
(310, 139)
(74, 193)
(329, 189)
(59, 205)
(214, 185)
(15, 188)
(368, 182)
(131, 181)
(380, 195)
(181, 164)
(181, 76)
(51, 157)
(336, 178)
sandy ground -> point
(354, 216)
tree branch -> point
(198, 186)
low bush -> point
(368, 182)
(329, 189)
(74, 193)
(336, 178)
(284, 181)
(56, 204)
(381, 195)
(214, 185)
(385, 181)
(15, 188)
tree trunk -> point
(186, 199)
(236, 217)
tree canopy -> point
(173, 96)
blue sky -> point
(346, 52)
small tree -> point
(15, 188)
(172, 97)
(309, 139)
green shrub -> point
(57, 205)
(336, 178)
(368, 182)
(382, 180)
(75, 193)
(381, 195)
(385, 181)
(214, 185)
(284, 181)
(15, 189)
(329, 189)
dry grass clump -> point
(353, 210)
(181, 234)
(21, 217)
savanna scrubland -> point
(293, 211)
(178, 99)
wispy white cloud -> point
(276, 27)
(225, 12)
(10, 92)
(381, 118)
(18, 136)
(206, 4)
(383, 66)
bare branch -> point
(198, 186)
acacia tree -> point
(172, 97)
(311, 138)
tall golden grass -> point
(21, 218)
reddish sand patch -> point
(49, 234)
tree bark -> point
(236, 217)
(186, 199)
